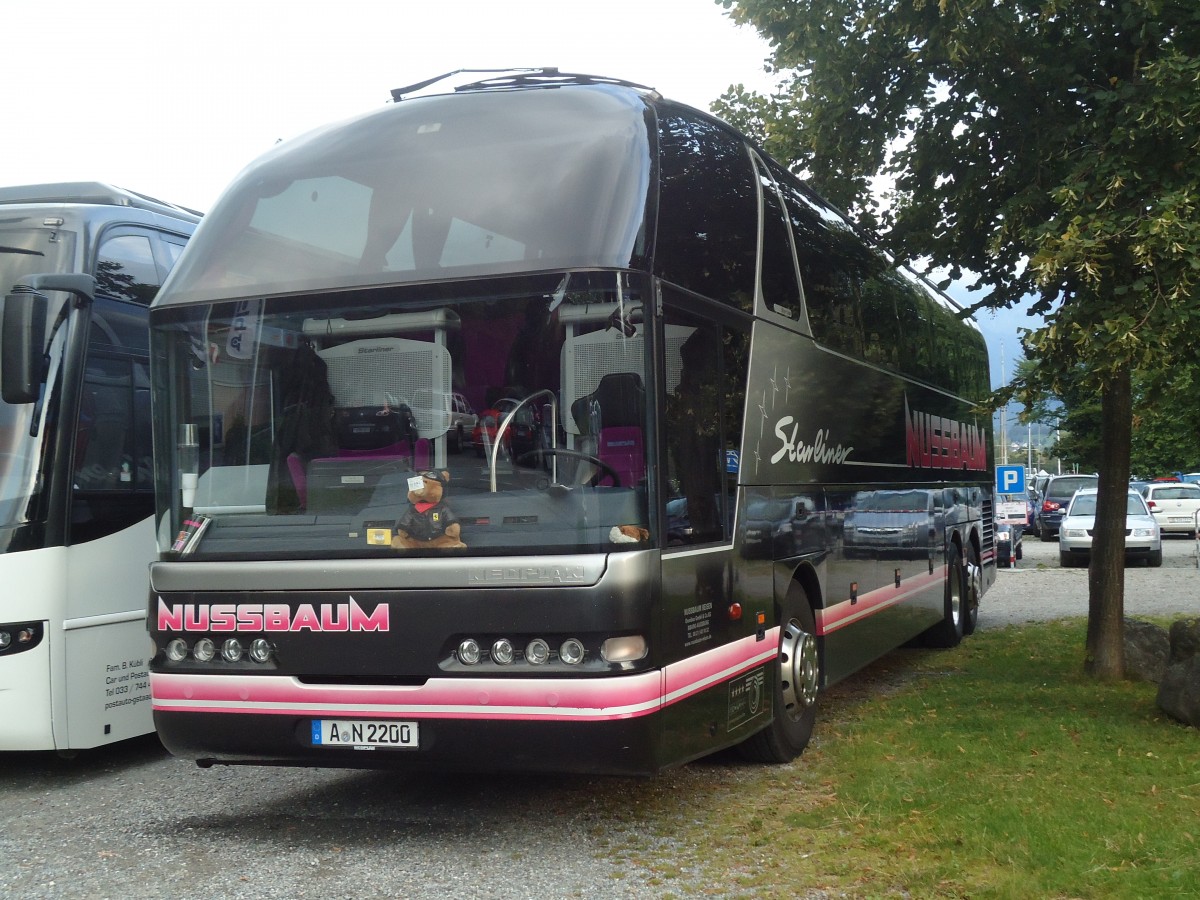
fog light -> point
(502, 652)
(260, 650)
(25, 635)
(177, 650)
(468, 652)
(5, 640)
(537, 652)
(231, 650)
(204, 650)
(571, 652)
(623, 649)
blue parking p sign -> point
(1010, 479)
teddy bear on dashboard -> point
(428, 523)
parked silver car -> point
(1174, 504)
(1143, 539)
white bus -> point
(726, 451)
(79, 265)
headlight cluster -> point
(1143, 532)
(20, 636)
(230, 650)
(540, 651)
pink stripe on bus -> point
(573, 699)
(848, 612)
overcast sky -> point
(172, 99)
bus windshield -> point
(25, 252)
(316, 425)
(489, 184)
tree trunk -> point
(1105, 657)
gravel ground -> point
(131, 822)
(1038, 589)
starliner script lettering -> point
(796, 450)
(271, 617)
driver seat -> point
(621, 447)
(614, 413)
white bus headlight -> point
(204, 650)
(177, 650)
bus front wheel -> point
(797, 683)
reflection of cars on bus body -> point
(775, 528)
(893, 522)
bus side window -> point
(112, 479)
(825, 247)
(707, 235)
(125, 268)
(705, 405)
(777, 272)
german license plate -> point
(365, 734)
(1179, 520)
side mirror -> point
(22, 338)
(23, 332)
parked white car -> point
(1143, 538)
(1174, 505)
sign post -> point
(1011, 514)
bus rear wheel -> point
(949, 631)
(973, 579)
(797, 683)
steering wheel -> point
(605, 470)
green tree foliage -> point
(1166, 426)
(1048, 148)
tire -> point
(1155, 560)
(1065, 560)
(973, 578)
(949, 632)
(1045, 536)
(797, 684)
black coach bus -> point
(719, 450)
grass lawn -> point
(993, 770)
